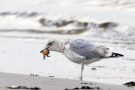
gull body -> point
(81, 51)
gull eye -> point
(50, 43)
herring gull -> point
(81, 51)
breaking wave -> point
(39, 24)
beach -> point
(11, 81)
(22, 56)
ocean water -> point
(26, 25)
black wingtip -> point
(116, 55)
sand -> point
(51, 83)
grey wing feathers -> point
(87, 49)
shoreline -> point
(51, 83)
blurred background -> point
(26, 25)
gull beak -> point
(42, 51)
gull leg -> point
(82, 67)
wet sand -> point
(50, 83)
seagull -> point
(81, 51)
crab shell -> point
(45, 52)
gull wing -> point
(88, 49)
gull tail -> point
(116, 55)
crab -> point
(45, 53)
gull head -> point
(54, 45)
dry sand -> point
(51, 83)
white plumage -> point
(81, 51)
